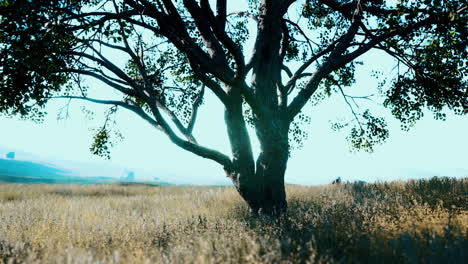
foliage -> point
(419, 221)
(46, 46)
(159, 56)
(32, 58)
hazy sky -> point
(431, 148)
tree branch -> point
(108, 65)
(379, 39)
(221, 14)
(112, 84)
(173, 27)
(328, 66)
(162, 125)
(201, 151)
(228, 43)
(306, 64)
(211, 43)
(196, 105)
(308, 40)
(349, 105)
(128, 104)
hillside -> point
(27, 172)
(30, 172)
(423, 221)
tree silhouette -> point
(170, 52)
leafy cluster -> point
(431, 60)
(159, 55)
(32, 41)
(106, 136)
(371, 132)
(437, 70)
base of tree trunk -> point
(264, 196)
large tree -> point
(162, 55)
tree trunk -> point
(263, 189)
(271, 168)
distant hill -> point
(95, 168)
(20, 171)
(30, 172)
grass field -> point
(423, 221)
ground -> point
(423, 221)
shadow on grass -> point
(342, 231)
(14, 254)
(443, 192)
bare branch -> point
(162, 125)
(328, 66)
(190, 146)
(349, 105)
(176, 121)
(287, 70)
(304, 66)
(383, 37)
(221, 13)
(108, 65)
(212, 44)
(308, 40)
(104, 80)
(195, 107)
(128, 104)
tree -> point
(175, 50)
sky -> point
(431, 148)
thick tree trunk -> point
(263, 188)
(271, 168)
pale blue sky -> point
(431, 148)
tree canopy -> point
(162, 55)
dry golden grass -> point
(413, 222)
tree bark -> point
(261, 184)
(263, 188)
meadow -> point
(419, 221)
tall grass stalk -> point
(424, 221)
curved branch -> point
(195, 107)
(128, 104)
(162, 125)
(298, 73)
(201, 151)
(108, 65)
(308, 40)
(228, 43)
(176, 121)
(330, 64)
(105, 80)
